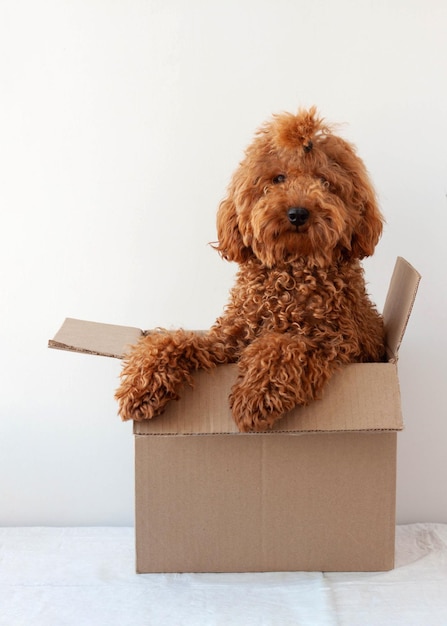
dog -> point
(299, 216)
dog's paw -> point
(152, 375)
(254, 410)
(138, 403)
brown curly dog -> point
(299, 216)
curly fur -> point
(299, 308)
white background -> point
(120, 125)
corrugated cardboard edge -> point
(95, 338)
(399, 305)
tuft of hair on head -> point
(289, 131)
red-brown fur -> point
(299, 309)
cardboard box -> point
(315, 493)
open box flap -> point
(399, 304)
(95, 338)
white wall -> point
(120, 125)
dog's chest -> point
(281, 299)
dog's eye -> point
(280, 178)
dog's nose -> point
(298, 215)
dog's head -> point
(300, 192)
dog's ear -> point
(230, 244)
(360, 195)
(369, 227)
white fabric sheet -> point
(86, 576)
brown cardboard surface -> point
(399, 304)
(94, 338)
(360, 397)
(265, 503)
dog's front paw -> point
(140, 398)
(253, 410)
(152, 375)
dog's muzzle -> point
(298, 215)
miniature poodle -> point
(299, 215)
